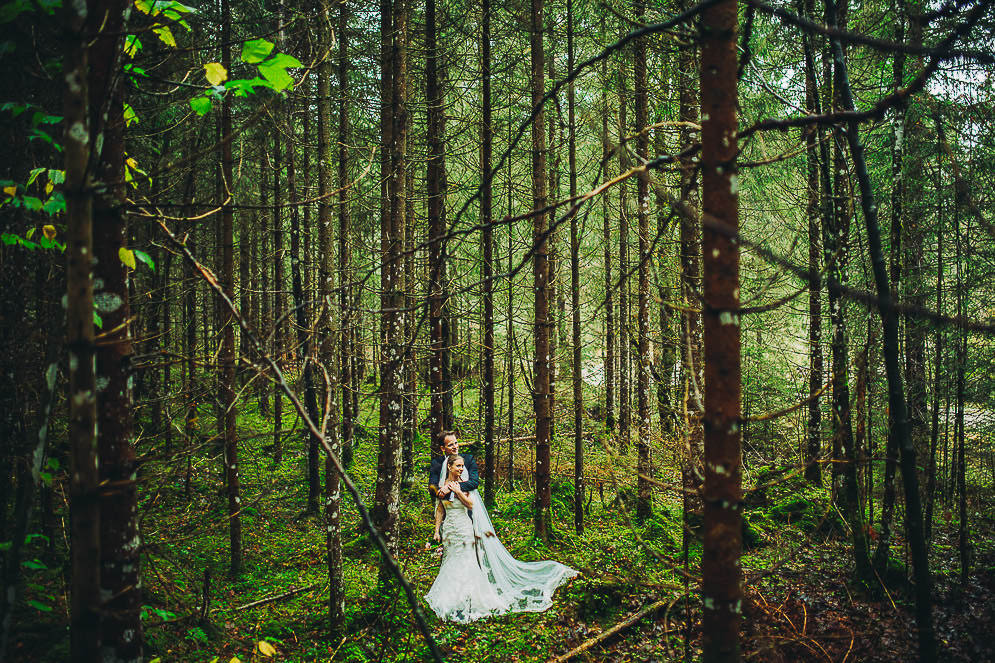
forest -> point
(700, 289)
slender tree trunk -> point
(624, 399)
(578, 368)
(120, 548)
(227, 354)
(330, 354)
(510, 378)
(896, 400)
(644, 501)
(84, 504)
(937, 356)
(844, 451)
(882, 552)
(486, 202)
(347, 354)
(609, 365)
(722, 591)
(690, 238)
(278, 348)
(301, 317)
(392, 123)
(813, 470)
(540, 266)
(436, 226)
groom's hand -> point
(444, 490)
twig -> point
(604, 635)
(277, 597)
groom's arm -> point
(434, 470)
(473, 480)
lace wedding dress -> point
(479, 577)
(461, 592)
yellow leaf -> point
(265, 648)
(165, 35)
(235, 659)
(49, 232)
(10, 190)
(216, 73)
(156, 660)
(127, 256)
(131, 162)
(49, 187)
(143, 6)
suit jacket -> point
(435, 470)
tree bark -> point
(486, 202)
(722, 592)
(644, 500)
(540, 270)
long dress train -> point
(462, 592)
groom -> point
(447, 444)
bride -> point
(461, 592)
(479, 577)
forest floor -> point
(802, 602)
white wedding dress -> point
(479, 577)
(461, 592)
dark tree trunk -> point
(301, 316)
(722, 591)
(278, 348)
(84, 501)
(227, 354)
(896, 397)
(578, 369)
(540, 266)
(813, 470)
(624, 399)
(120, 548)
(486, 202)
(392, 123)
(436, 227)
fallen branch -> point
(278, 597)
(604, 635)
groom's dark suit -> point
(435, 470)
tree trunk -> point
(578, 368)
(722, 592)
(84, 500)
(644, 501)
(392, 123)
(540, 270)
(813, 470)
(486, 202)
(896, 399)
(120, 548)
(347, 353)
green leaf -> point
(284, 60)
(34, 564)
(56, 204)
(98, 322)
(132, 44)
(39, 606)
(56, 176)
(201, 105)
(31, 231)
(144, 257)
(165, 35)
(31, 537)
(256, 50)
(276, 74)
(35, 172)
(130, 117)
(32, 203)
(243, 87)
